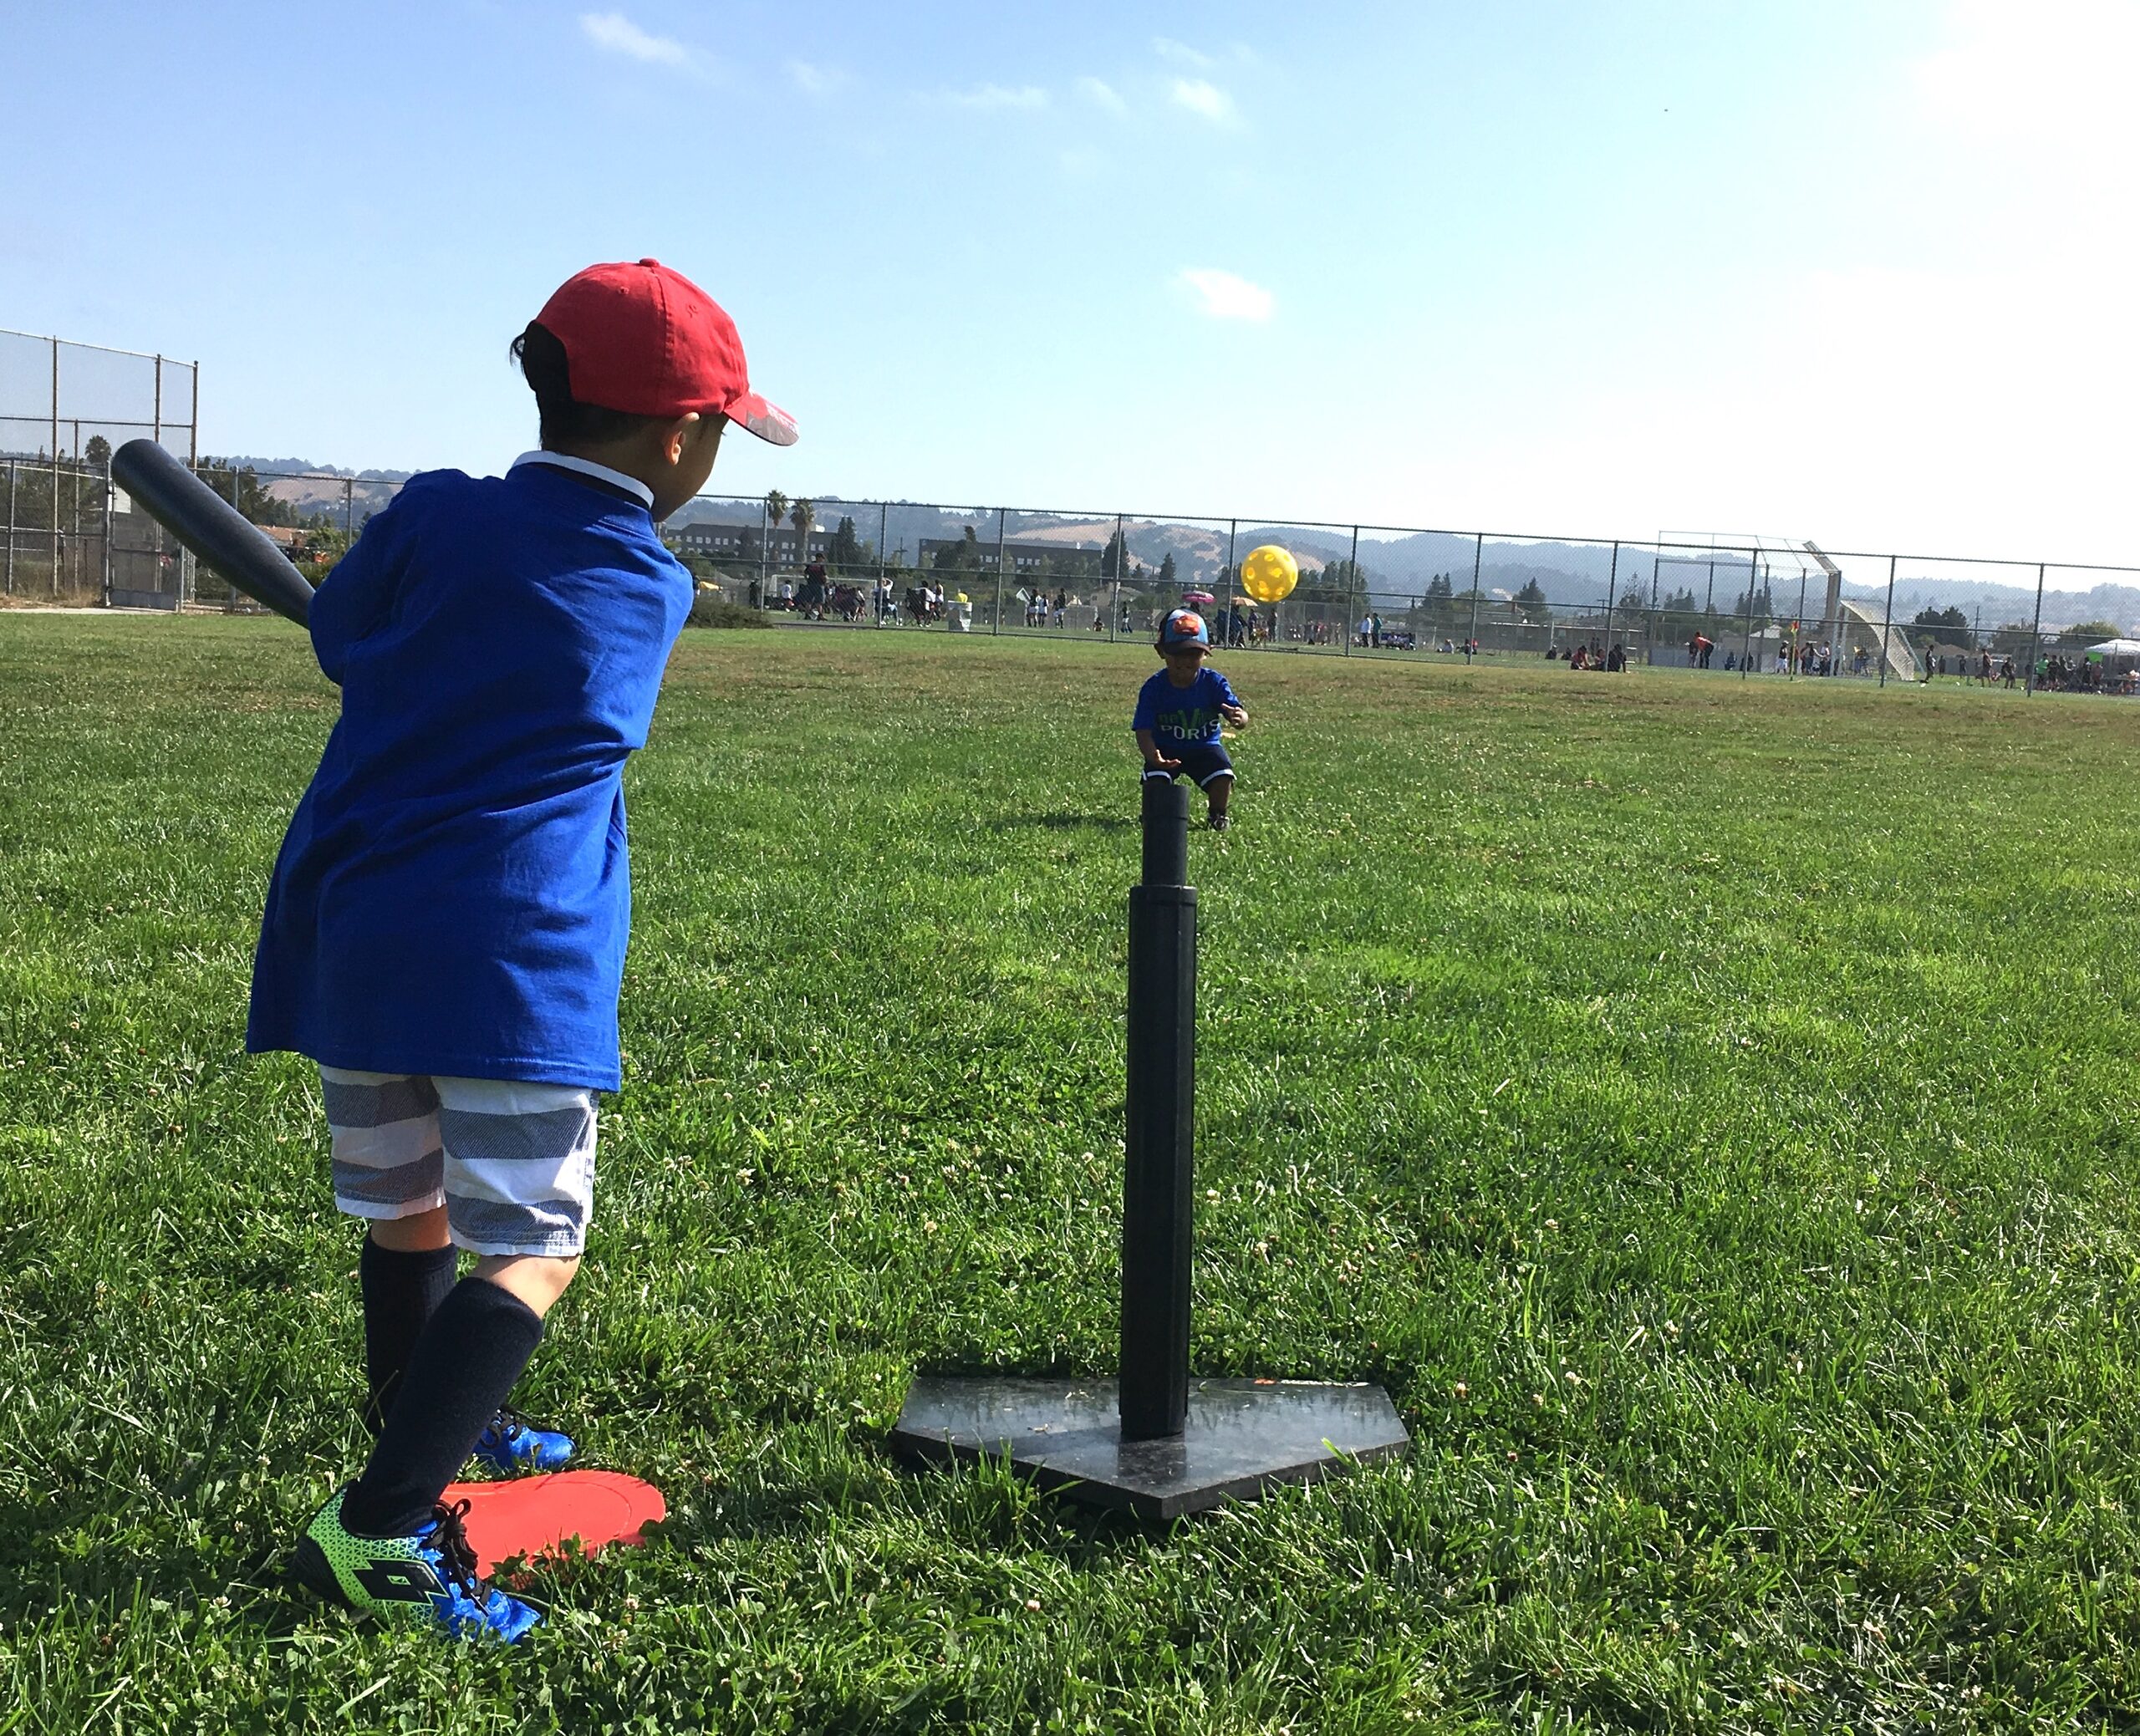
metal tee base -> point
(1243, 1437)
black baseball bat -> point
(209, 525)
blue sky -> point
(1860, 273)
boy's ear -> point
(678, 437)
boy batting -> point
(444, 932)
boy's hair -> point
(564, 420)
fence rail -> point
(1749, 607)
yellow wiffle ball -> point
(1269, 574)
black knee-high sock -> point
(460, 1372)
(402, 1291)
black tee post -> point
(1155, 1441)
(1158, 1187)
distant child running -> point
(445, 934)
(1179, 711)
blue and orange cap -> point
(1184, 626)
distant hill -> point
(264, 466)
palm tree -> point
(803, 515)
(776, 510)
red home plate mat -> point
(531, 1516)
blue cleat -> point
(512, 1446)
(425, 1579)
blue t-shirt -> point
(453, 896)
(1183, 716)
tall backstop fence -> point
(1740, 605)
(63, 408)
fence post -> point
(55, 467)
(1352, 588)
(1121, 560)
(193, 422)
(1746, 638)
(997, 625)
(104, 599)
(11, 527)
(1230, 581)
(1478, 559)
(1612, 598)
(1798, 626)
(2035, 627)
(157, 425)
(1888, 623)
(881, 601)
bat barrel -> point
(215, 530)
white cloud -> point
(616, 33)
(1001, 96)
(1102, 94)
(1167, 48)
(2056, 73)
(1200, 96)
(1221, 295)
(813, 80)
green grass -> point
(1708, 1107)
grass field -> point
(1709, 1107)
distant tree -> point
(843, 552)
(1167, 572)
(1114, 558)
(2089, 632)
(243, 488)
(776, 511)
(1439, 605)
(803, 515)
(96, 451)
(1755, 605)
(963, 556)
(1950, 626)
(1531, 602)
(2011, 639)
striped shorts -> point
(513, 1164)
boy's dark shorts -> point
(1200, 762)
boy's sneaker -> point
(428, 1576)
(1221, 822)
(512, 1445)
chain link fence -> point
(1751, 607)
(63, 408)
(1746, 606)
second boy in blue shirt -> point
(1180, 710)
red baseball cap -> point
(646, 340)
